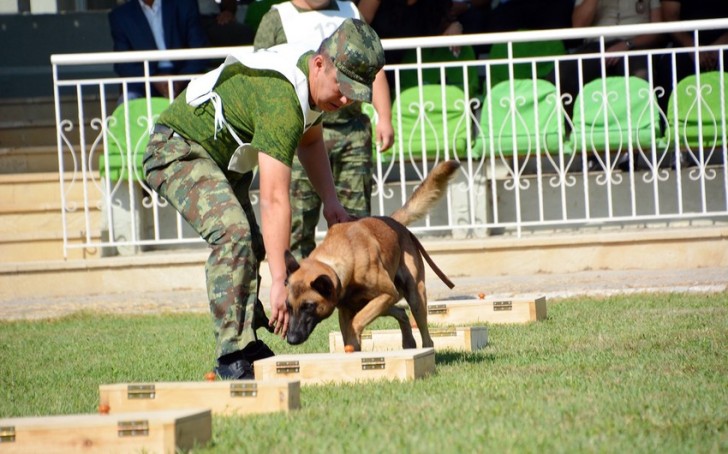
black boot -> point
(257, 350)
(234, 369)
(239, 365)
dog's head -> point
(312, 296)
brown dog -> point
(363, 268)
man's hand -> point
(455, 28)
(620, 46)
(708, 60)
(225, 17)
(279, 311)
(384, 135)
(228, 9)
(335, 213)
(162, 87)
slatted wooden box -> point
(320, 368)
(487, 310)
(159, 432)
(226, 397)
(468, 339)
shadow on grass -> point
(446, 357)
(459, 297)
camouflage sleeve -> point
(270, 31)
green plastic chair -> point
(698, 119)
(598, 132)
(423, 121)
(538, 120)
(117, 150)
(499, 72)
(431, 76)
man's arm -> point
(382, 103)
(671, 13)
(584, 13)
(315, 160)
(654, 39)
(228, 10)
(275, 216)
(722, 39)
(368, 9)
(640, 41)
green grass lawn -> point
(637, 373)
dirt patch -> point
(593, 283)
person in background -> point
(513, 15)
(347, 132)
(409, 18)
(595, 13)
(157, 24)
(256, 110)
(472, 14)
(685, 64)
(221, 24)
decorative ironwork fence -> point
(623, 148)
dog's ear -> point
(324, 286)
(291, 263)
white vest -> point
(313, 26)
(281, 59)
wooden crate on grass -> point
(319, 368)
(160, 432)
(468, 339)
(226, 397)
(487, 310)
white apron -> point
(281, 59)
(313, 26)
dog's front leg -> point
(346, 317)
(374, 308)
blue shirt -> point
(154, 17)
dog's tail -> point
(427, 194)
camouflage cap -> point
(357, 54)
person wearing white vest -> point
(347, 132)
(255, 111)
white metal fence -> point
(620, 150)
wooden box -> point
(222, 397)
(317, 368)
(487, 310)
(466, 339)
(160, 432)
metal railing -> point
(622, 150)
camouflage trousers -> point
(350, 153)
(217, 205)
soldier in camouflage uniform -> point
(201, 159)
(347, 132)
